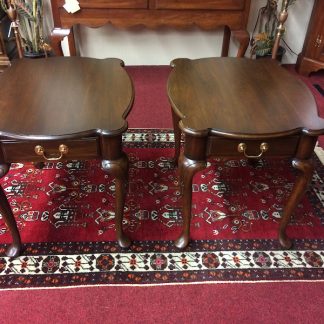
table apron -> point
(284, 146)
(20, 151)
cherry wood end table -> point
(65, 108)
(231, 107)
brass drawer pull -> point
(63, 149)
(242, 147)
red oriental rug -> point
(65, 213)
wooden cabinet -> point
(114, 4)
(198, 4)
(312, 57)
(205, 14)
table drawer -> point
(83, 149)
(285, 146)
(199, 4)
(113, 4)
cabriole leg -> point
(306, 168)
(119, 169)
(14, 248)
(303, 163)
(187, 169)
(177, 136)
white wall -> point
(141, 46)
(296, 27)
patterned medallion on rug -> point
(65, 214)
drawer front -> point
(83, 149)
(200, 4)
(229, 147)
(113, 4)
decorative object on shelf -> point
(269, 29)
(71, 6)
(27, 23)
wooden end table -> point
(61, 109)
(239, 107)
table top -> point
(241, 98)
(64, 97)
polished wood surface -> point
(224, 104)
(207, 15)
(312, 56)
(60, 109)
(247, 98)
(64, 96)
